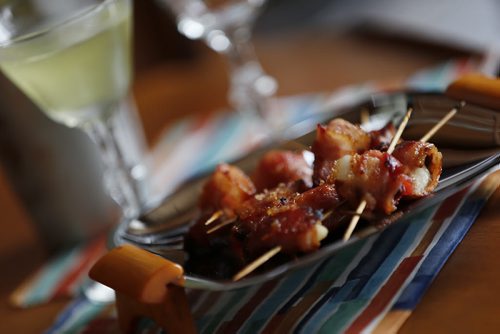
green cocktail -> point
(72, 59)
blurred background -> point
(351, 41)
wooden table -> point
(466, 295)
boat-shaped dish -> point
(469, 142)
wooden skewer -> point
(426, 137)
(221, 225)
(400, 130)
(355, 219)
(442, 122)
(326, 215)
(364, 116)
(214, 217)
(362, 204)
(257, 263)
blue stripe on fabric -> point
(372, 260)
(65, 315)
(75, 316)
(326, 306)
(415, 226)
(437, 257)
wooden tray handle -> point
(477, 89)
(146, 285)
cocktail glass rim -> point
(74, 18)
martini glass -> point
(226, 27)
(72, 59)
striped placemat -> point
(371, 286)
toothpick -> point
(257, 263)
(214, 217)
(326, 215)
(442, 122)
(364, 116)
(354, 221)
(362, 204)
(221, 225)
(401, 128)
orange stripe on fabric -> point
(392, 322)
(385, 295)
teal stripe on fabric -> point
(222, 131)
(408, 239)
(50, 277)
(321, 316)
(343, 316)
(224, 136)
(223, 307)
(434, 79)
(340, 262)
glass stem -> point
(250, 87)
(117, 175)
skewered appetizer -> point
(292, 206)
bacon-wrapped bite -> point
(279, 166)
(333, 141)
(258, 218)
(323, 197)
(422, 163)
(226, 189)
(297, 230)
(381, 139)
(374, 176)
(268, 202)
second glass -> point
(226, 27)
